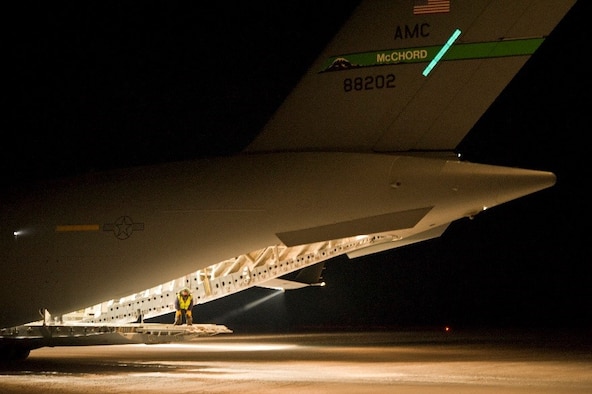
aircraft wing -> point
(373, 74)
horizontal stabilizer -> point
(368, 225)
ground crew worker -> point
(183, 306)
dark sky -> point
(98, 86)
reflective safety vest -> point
(184, 304)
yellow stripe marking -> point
(77, 227)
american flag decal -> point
(421, 7)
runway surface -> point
(377, 362)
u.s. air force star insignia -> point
(123, 227)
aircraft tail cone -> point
(518, 182)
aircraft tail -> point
(409, 75)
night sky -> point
(96, 86)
